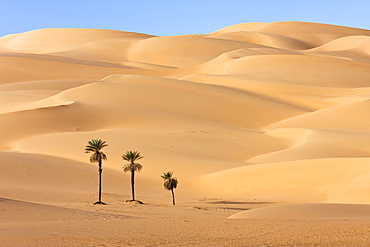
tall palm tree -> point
(132, 157)
(170, 183)
(94, 146)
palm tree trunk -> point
(100, 173)
(133, 184)
(173, 197)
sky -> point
(174, 17)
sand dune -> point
(292, 35)
(266, 39)
(182, 51)
(54, 40)
(336, 180)
(251, 118)
(348, 116)
(321, 144)
(358, 44)
(47, 179)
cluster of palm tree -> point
(95, 147)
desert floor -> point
(265, 126)
(198, 223)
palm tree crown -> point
(132, 156)
(94, 146)
(169, 181)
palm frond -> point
(167, 175)
(103, 156)
(132, 156)
(174, 183)
(132, 167)
(169, 181)
(95, 157)
(167, 184)
(94, 146)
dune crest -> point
(53, 40)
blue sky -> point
(174, 17)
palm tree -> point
(132, 157)
(170, 183)
(94, 146)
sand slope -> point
(18, 211)
(337, 180)
(252, 114)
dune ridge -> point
(273, 113)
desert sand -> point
(265, 126)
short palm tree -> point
(170, 183)
(97, 156)
(132, 157)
